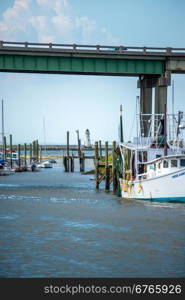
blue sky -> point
(80, 102)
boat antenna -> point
(121, 125)
(165, 132)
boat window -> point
(151, 167)
(145, 156)
(174, 163)
(159, 165)
(154, 167)
(182, 162)
(165, 164)
(158, 155)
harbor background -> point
(55, 224)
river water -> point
(55, 224)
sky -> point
(71, 102)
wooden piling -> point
(25, 155)
(19, 156)
(79, 151)
(96, 165)
(68, 143)
(4, 150)
(11, 163)
(114, 177)
(79, 147)
(67, 160)
(72, 163)
(37, 150)
(31, 153)
(107, 170)
(65, 163)
(33, 150)
(40, 154)
(83, 157)
(82, 162)
(100, 149)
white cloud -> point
(39, 22)
(43, 2)
(50, 21)
(61, 5)
(62, 23)
(109, 37)
(14, 19)
(86, 25)
(19, 7)
(56, 5)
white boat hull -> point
(168, 188)
(46, 165)
(33, 167)
(6, 171)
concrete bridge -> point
(153, 65)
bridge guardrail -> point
(92, 48)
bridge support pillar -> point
(160, 99)
(146, 83)
(161, 93)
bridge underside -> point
(153, 66)
(79, 65)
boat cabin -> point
(162, 166)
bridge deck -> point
(89, 59)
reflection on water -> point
(55, 224)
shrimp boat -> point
(153, 166)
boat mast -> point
(165, 132)
(173, 105)
(44, 128)
(121, 125)
(136, 150)
(2, 111)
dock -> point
(104, 157)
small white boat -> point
(46, 164)
(52, 161)
(33, 167)
(4, 170)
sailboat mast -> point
(121, 125)
(44, 129)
